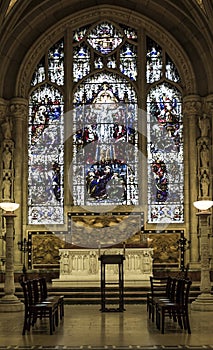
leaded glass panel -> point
(154, 61)
(128, 61)
(81, 62)
(171, 71)
(105, 163)
(46, 156)
(165, 154)
(39, 74)
(56, 63)
(105, 38)
(103, 82)
(79, 34)
(130, 33)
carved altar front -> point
(82, 265)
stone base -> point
(204, 302)
(10, 303)
(66, 283)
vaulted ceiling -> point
(23, 22)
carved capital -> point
(192, 105)
(19, 108)
(208, 104)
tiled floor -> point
(86, 325)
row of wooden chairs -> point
(169, 297)
(40, 305)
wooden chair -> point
(177, 309)
(159, 288)
(35, 309)
(59, 299)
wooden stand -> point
(109, 260)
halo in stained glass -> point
(105, 165)
(105, 38)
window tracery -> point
(105, 88)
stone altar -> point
(82, 265)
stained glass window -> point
(165, 154)
(56, 63)
(105, 142)
(154, 62)
(45, 140)
(39, 74)
(103, 62)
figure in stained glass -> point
(165, 154)
(105, 148)
(45, 155)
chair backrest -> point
(173, 289)
(36, 291)
(181, 291)
(159, 285)
(187, 286)
(43, 288)
(25, 292)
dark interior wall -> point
(183, 20)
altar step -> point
(92, 295)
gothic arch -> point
(157, 32)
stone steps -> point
(92, 295)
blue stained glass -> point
(56, 63)
(105, 142)
(105, 118)
(165, 154)
(104, 38)
(81, 62)
(45, 150)
(154, 62)
(128, 61)
(111, 62)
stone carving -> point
(7, 128)
(7, 157)
(83, 264)
(6, 186)
(204, 156)
(204, 125)
(204, 185)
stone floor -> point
(85, 327)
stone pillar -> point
(191, 112)
(208, 105)
(3, 114)
(18, 111)
(9, 302)
(204, 302)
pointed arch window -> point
(104, 69)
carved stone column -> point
(3, 116)
(208, 105)
(18, 111)
(7, 150)
(191, 111)
(204, 302)
(9, 302)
